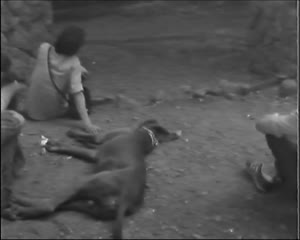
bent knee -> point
(270, 124)
(11, 124)
(11, 120)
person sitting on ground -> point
(9, 85)
(56, 87)
(281, 135)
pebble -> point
(263, 236)
(249, 116)
(212, 167)
(249, 198)
(90, 202)
(174, 228)
(197, 236)
(169, 181)
(179, 133)
(283, 227)
(43, 151)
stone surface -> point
(288, 88)
(273, 38)
(24, 26)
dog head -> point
(157, 133)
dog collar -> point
(152, 136)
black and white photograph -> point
(149, 119)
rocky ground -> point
(197, 188)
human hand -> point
(93, 129)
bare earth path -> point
(197, 187)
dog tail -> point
(117, 228)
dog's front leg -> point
(75, 151)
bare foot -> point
(255, 172)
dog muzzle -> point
(152, 136)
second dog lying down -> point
(117, 186)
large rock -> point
(22, 63)
(8, 20)
(288, 88)
(31, 11)
(273, 38)
(24, 26)
(29, 38)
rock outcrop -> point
(273, 38)
(24, 25)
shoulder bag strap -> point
(52, 80)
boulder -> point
(8, 20)
(29, 38)
(24, 26)
(288, 88)
(273, 38)
(22, 63)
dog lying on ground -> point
(281, 135)
(116, 189)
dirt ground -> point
(197, 188)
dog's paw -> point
(11, 213)
(52, 146)
(19, 200)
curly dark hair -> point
(69, 41)
(5, 63)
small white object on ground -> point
(44, 141)
(179, 133)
